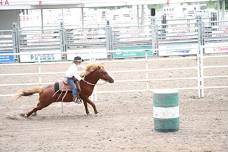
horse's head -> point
(103, 74)
(97, 70)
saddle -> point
(61, 86)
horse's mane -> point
(90, 68)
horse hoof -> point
(34, 114)
(98, 114)
(24, 115)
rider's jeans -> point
(74, 90)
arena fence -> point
(198, 37)
(199, 78)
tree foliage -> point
(226, 4)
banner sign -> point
(6, 58)
(100, 53)
(42, 57)
(178, 49)
(216, 48)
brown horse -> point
(48, 95)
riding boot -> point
(77, 100)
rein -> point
(88, 82)
(92, 84)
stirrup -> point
(78, 100)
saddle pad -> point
(56, 86)
(62, 86)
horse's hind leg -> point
(34, 110)
(34, 113)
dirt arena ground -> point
(124, 122)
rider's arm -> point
(77, 76)
(78, 86)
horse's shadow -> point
(53, 117)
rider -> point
(72, 75)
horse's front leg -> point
(92, 104)
(86, 106)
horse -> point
(47, 94)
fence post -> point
(147, 70)
(39, 70)
(94, 95)
(200, 76)
(16, 45)
(154, 36)
(109, 38)
(62, 41)
(92, 59)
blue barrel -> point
(166, 110)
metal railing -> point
(175, 37)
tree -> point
(226, 4)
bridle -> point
(89, 83)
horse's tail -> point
(29, 92)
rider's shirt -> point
(74, 71)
